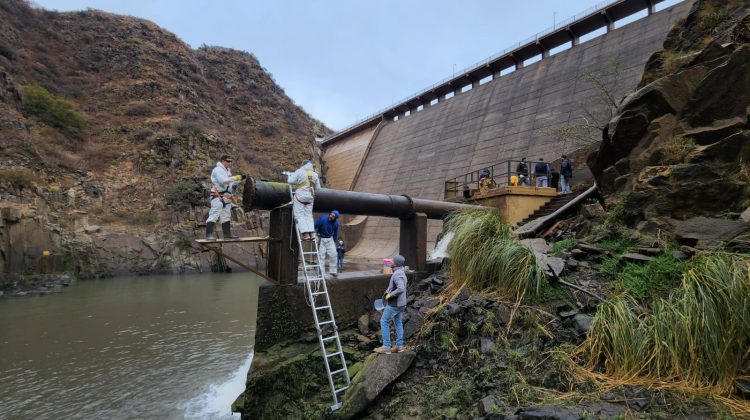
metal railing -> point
(466, 185)
(532, 39)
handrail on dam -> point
(602, 15)
(462, 184)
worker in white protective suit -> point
(304, 181)
(327, 228)
(222, 188)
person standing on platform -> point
(395, 305)
(340, 251)
(566, 173)
(222, 187)
(522, 170)
(304, 181)
(327, 228)
(542, 171)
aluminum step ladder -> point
(325, 323)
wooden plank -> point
(235, 240)
(236, 261)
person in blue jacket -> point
(327, 228)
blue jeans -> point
(392, 313)
(564, 184)
(340, 263)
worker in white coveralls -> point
(327, 228)
(222, 187)
(304, 181)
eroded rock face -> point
(680, 145)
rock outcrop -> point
(378, 371)
(679, 146)
(114, 124)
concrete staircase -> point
(551, 206)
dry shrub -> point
(17, 178)
(139, 109)
(677, 150)
(143, 134)
(96, 156)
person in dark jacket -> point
(340, 251)
(395, 299)
(554, 179)
(522, 170)
(542, 172)
(566, 173)
(327, 228)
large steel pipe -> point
(262, 195)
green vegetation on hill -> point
(52, 110)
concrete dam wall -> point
(509, 116)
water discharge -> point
(441, 248)
(138, 347)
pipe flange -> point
(412, 212)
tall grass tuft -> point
(487, 256)
(698, 337)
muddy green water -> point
(130, 347)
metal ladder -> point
(325, 323)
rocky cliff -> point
(108, 127)
(677, 151)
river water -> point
(129, 347)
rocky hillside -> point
(109, 123)
(677, 154)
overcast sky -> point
(342, 60)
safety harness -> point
(305, 183)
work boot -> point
(210, 231)
(225, 227)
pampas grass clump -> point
(487, 256)
(698, 338)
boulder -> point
(635, 258)
(707, 233)
(582, 323)
(486, 346)
(536, 244)
(592, 211)
(571, 264)
(589, 249)
(92, 229)
(378, 371)
(363, 324)
(487, 405)
(745, 216)
(545, 262)
(650, 251)
(413, 325)
(547, 412)
(677, 254)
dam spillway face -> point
(508, 117)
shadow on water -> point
(151, 346)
